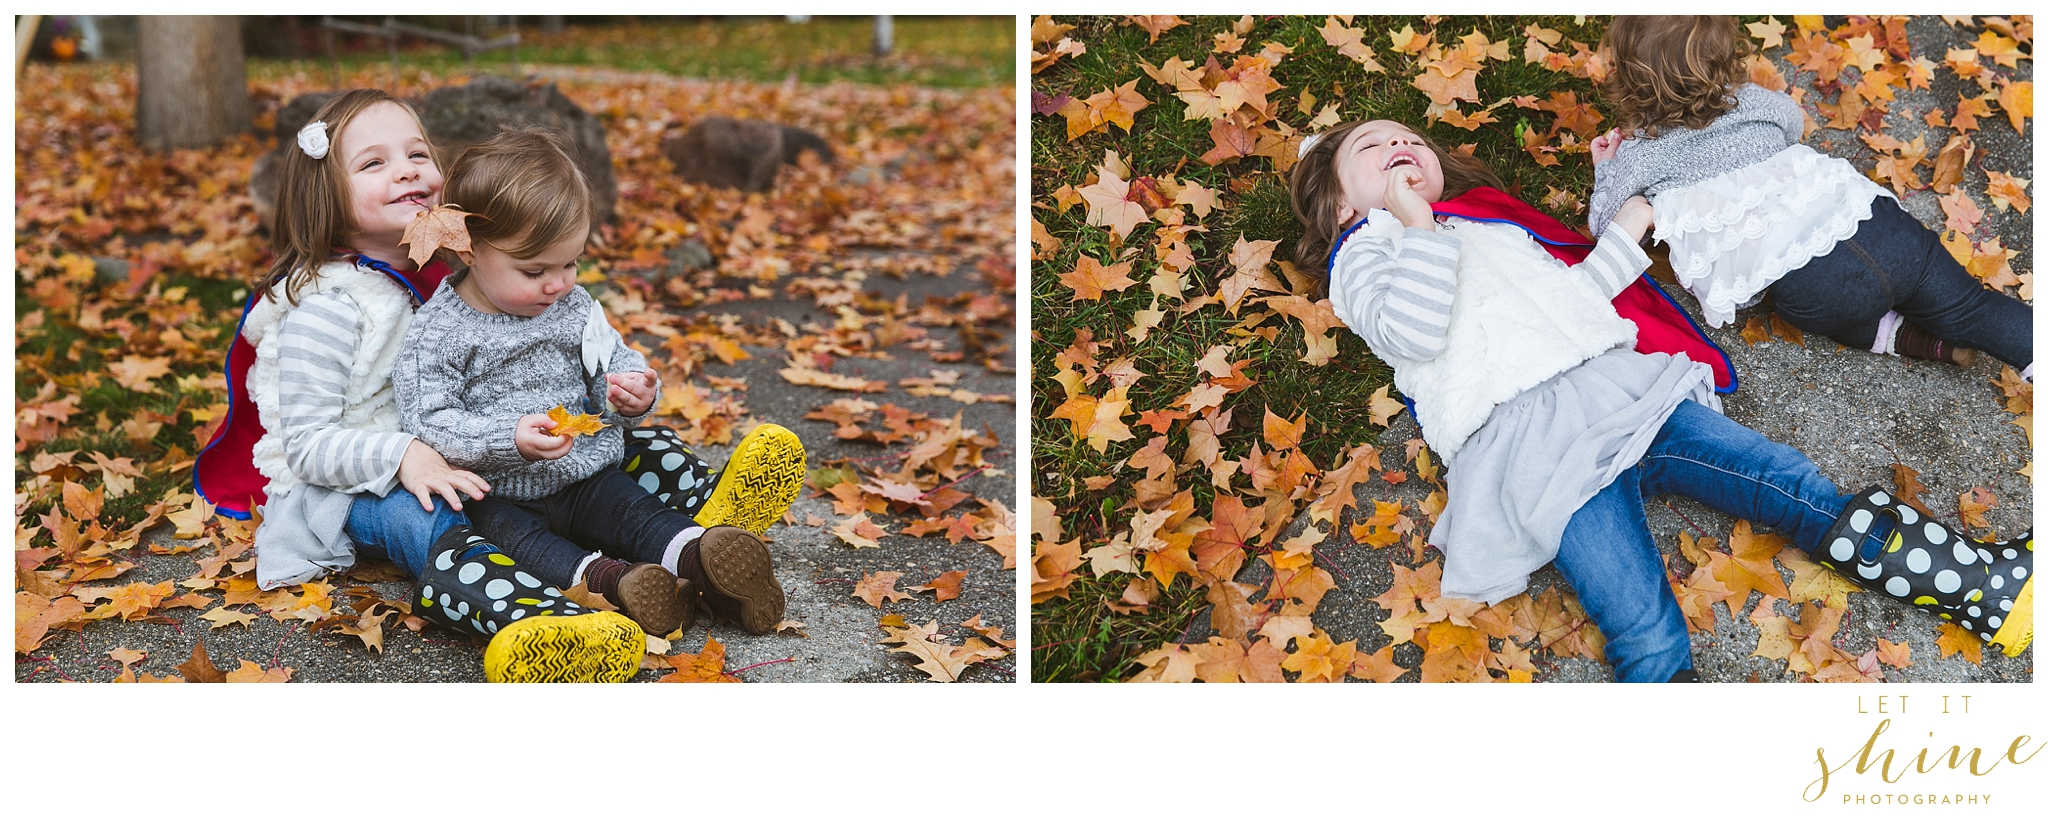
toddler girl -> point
(513, 336)
(1553, 429)
(1748, 210)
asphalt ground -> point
(839, 640)
(1853, 412)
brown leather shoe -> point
(655, 599)
(739, 579)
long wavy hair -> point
(1318, 194)
(314, 215)
(1673, 71)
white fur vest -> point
(371, 404)
(1519, 317)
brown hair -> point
(1673, 71)
(520, 187)
(1318, 195)
(314, 213)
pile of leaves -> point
(132, 268)
(1197, 404)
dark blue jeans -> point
(1895, 263)
(395, 528)
(605, 512)
(1610, 559)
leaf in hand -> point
(573, 425)
(440, 227)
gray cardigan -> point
(1762, 124)
(464, 378)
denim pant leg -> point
(1841, 294)
(395, 528)
(1703, 455)
(522, 531)
(1937, 293)
(611, 513)
(1610, 560)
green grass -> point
(929, 51)
(1079, 638)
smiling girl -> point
(1552, 427)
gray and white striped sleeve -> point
(1398, 301)
(1615, 262)
(317, 345)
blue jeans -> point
(1610, 559)
(1895, 263)
(395, 528)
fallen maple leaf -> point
(944, 587)
(940, 662)
(1090, 278)
(879, 586)
(573, 425)
(1895, 655)
(441, 227)
(1381, 408)
(1907, 481)
(199, 668)
(1954, 640)
(706, 666)
(859, 532)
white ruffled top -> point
(1734, 234)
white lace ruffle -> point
(1734, 234)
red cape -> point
(225, 473)
(1661, 325)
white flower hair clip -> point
(313, 139)
(1306, 144)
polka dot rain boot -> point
(537, 635)
(1986, 588)
(751, 492)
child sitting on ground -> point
(513, 336)
(1747, 208)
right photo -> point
(1531, 349)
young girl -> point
(1553, 429)
(312, 442)
(1749, 211)
(512, 337)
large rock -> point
(458, 117)
(739, 154)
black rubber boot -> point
(1987, 588)
(657, 459)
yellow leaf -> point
(1381, 408)
(573, 425)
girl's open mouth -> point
(418, 198)
(1402, 160)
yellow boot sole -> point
(593, 647)
(758, 483)
(2018, 632)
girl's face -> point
(499, 283)
(391, 174)
(1369, 152)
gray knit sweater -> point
(1762, 124)
(465, 377)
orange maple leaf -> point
(441, 227)
(1954, 640)
(1232, 141)
(706, 666)
(573, 425)
(1090, 279)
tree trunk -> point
(192, 88)
(885, 35)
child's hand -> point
(1636, 217)
(1606, 145)
(632, 393)
(534, 442)
(425, 473)
(1404, 198)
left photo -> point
(515, 349)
